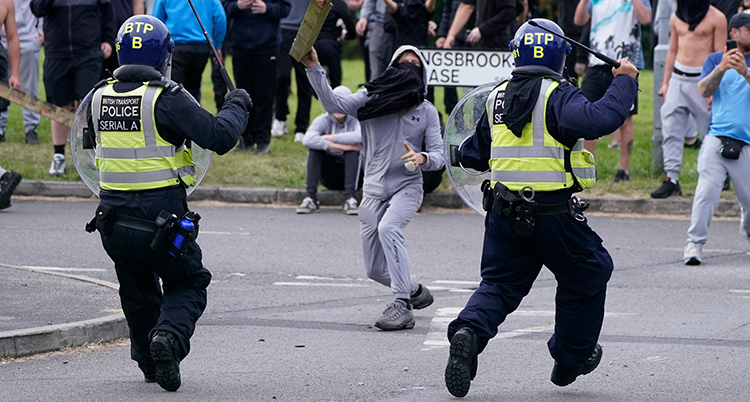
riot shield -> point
(461, 125)
(82, 144)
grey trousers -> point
(382, 231)
(29, 75)
(381, 49)
(712, 171)
(682, 101)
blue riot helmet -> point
(145, 40)
(532, 46)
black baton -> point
(608, 60)
(224, 74)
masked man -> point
(143, 125)
(531, 138)
(394, 116)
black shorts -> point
(70, 79)
(595, 83)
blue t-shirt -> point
(729, 115)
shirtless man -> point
(8, 19)
(696, 30)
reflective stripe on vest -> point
(130, 155)
(535, 159)
(185, 166)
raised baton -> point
(608, 60)
(224, 74)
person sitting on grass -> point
(333, 140)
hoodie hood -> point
(404, 48)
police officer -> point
(143, 126)
(531, 138)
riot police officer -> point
(144, 125)
(531, 139)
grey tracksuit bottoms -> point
(382, 230)
(712, 171)
(682, 101)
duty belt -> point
(134, 223)
(521, 208)
(105, 218)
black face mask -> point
(692, 12)
(398, 88)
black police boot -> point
(149, 372)
(667, 188)
(462, 363)
(164, 351)
(564, 375)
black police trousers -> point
(510, 264)
(176, 305)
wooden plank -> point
(308, 32)
(35, 104)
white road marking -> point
(740, 293)
(345, 285)
(324, 278)
(207, 232)
(64, 269)
(437, 336)
(468, 283)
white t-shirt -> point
(615, 30)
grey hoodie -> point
(347, 132)
(383, 137)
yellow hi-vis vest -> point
(130, 154)
(536, 159)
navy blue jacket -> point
(570, 116)
(256, 33)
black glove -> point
(241, 95)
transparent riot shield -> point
(461, 125)
(83, 142)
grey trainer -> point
(395, 317)
(350, 206)
(307, 206)
(422, 298)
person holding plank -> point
(394, 117)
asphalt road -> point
(290, 313)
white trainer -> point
(693, 253)
(307, 206)
(58, 165)
(350, 207)
(298, 137)
(278, 128)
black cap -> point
(739, 20)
